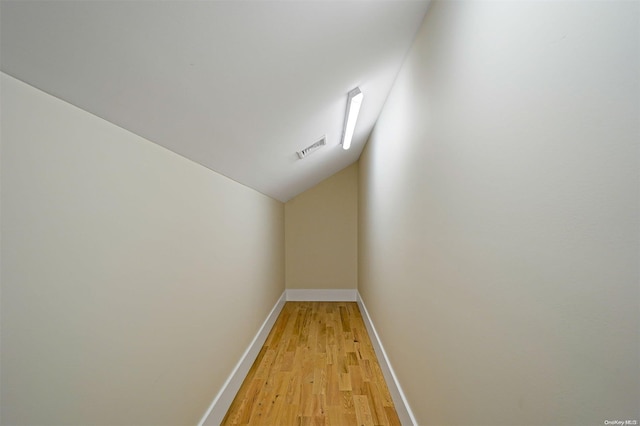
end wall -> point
(321, 233)
(132, 279)
(499, 215)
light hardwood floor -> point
(317, 367)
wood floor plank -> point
(392, 416)
(363, 412)
(375, 404)
(344, 382)
(332, 391)
(357, 385)
(317, 367)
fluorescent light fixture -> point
(353, 109)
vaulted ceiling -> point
(237, 86)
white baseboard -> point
(399, 399)
(329, 295)
(221, 403)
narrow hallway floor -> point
(317, 367)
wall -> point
(499, 215)
(321, 234)
(132, 279)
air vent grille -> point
(308, 150)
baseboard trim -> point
(222, 402)
(399, 399)
(319, 295)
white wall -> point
(132, 278)
(321, 234)
(499, 215)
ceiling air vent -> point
(308, 150)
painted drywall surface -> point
(321, 234)
(132, 279)
(499, 215)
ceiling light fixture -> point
(354, 102)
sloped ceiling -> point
(237, 86)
